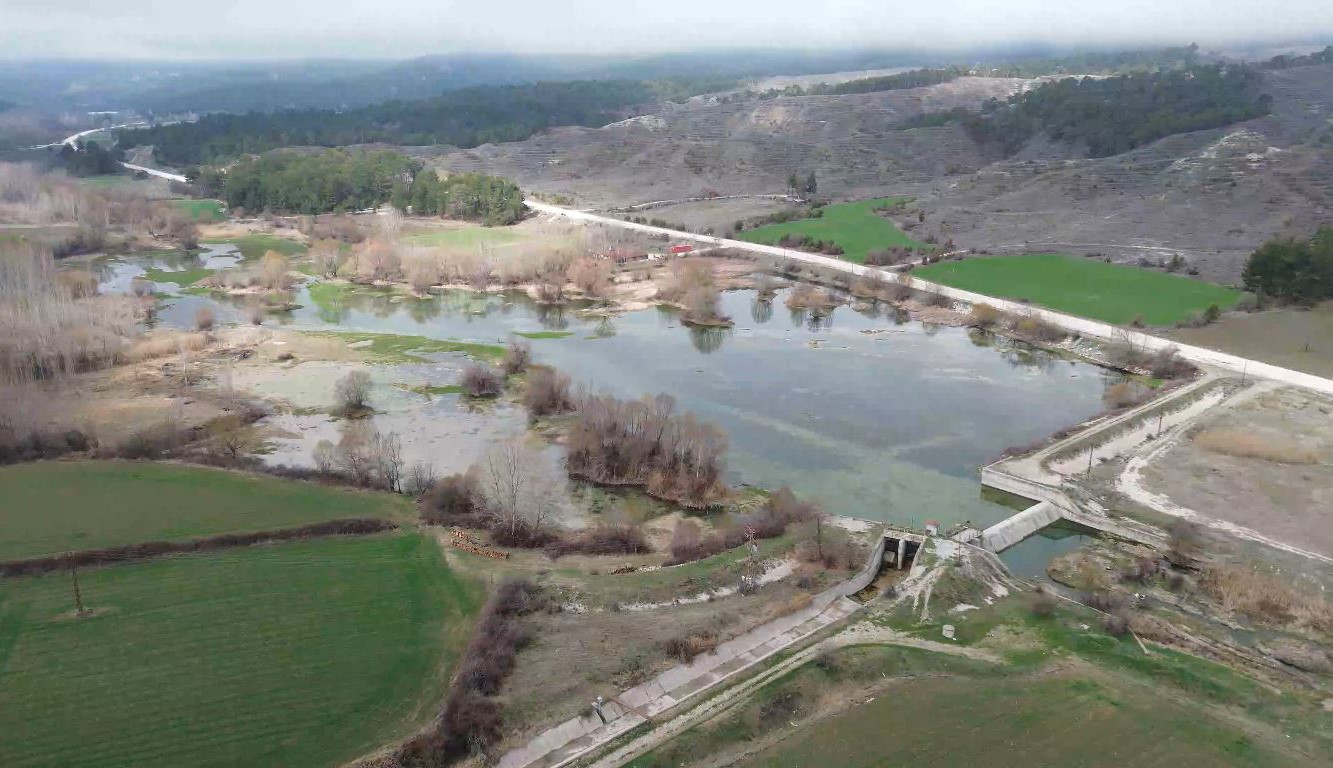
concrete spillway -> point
(1009, 532)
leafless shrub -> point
(327, 256)
(546, 392)
(273, 270)
(984, 316)
(693, 286)
(903, 289)
(1247, 445)
(518, 354)
(1184, 543)
(691, 644)
(600, 540)
(765, 286)
(870, 285)
(481, 381)
(1125, 393)
(591, 275)
(1034, 327)
(204, 318)
(1043, 603)
(1168, 364)
(809, 297)
(453, 500)
(645, 443)
(471, 723)
(422, 269)
(351, 394)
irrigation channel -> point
(874, 414)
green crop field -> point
(53, 507)
(1059, 720)
(309, 653)
(1086, 287)
(256, 245)
(465, 237)
(854, 226)
(202, 210)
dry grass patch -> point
(1266, 598)
(1247, 445)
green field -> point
(854, 226)
(394, 348)
(202, 210)
(465, 237)
(300, 654)
(1086, 287)
(256, 245)
(53, 507)
(1049, 721)
(181, 277)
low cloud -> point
(251, 29)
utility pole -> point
(1089, 472)
(78, 597)
(1160, 416)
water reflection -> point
(761, 310)
(708, 340)
(884, 419)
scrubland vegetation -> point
(1114, 114)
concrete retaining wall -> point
(868, 573)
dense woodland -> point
(491, 200)
(337, 181)
(1294, 270)
(1116, 114)
(462, 118)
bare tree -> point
(325, 455)
(419, 477)
(386, 454)
(352, 393)
(517, 356)
(516, 490)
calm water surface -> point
(875, 415)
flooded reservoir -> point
(875, 415)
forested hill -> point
(1115, 114)
(464, 118)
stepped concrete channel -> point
(577, 736)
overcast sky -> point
(252, 29)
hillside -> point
(1210, 195)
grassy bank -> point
(308, 653)
(395, 348)
(465, 237)
(55, 507)
(1088, 288)
(201, 210)
(854, 226)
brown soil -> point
(1292, 338)
(1289, 502)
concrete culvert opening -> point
(899, 553)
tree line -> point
(335, 181)
(464, 118)
(1298, 270)
(1116, 114)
